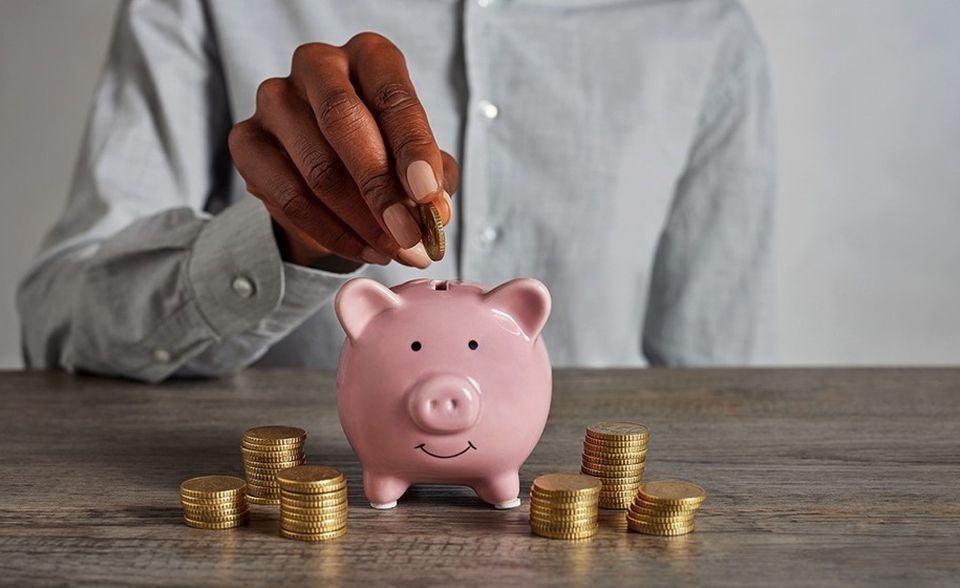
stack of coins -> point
(615, 453)
(564, 506)
(266, 451)
(313, 503)
(665, 507)
(214, 502)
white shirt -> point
(619, 151)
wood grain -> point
(815, 477)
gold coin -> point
(618, 430)
(212, 487)
(665, 508)
(659, 530)
(614, 472)
(562, 521)
(566, 535)
(553, 510)
(262, 478)
(216, 517)
(660, 521)
(275, 435)
(563, 526)
(658, 524)
(262, 493)
(550, 485)
(431, 225)
(304, 511)
(659, 512)
(203, 511)
(537, 496)
(252, 446)
(262, 485)
(630, 483)
(614, 504)
(326, 519)
(310, 479)
(609, 448)
(331, 496)
(313, 526)
(615, 460)
(212, 503)
(261, 501)
(313, 536)
(258, 457)
(215, 525)
(270, 467)
(672, 492)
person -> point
(619, 151)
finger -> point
(451, 173)
(273, 178)
(381, 75)
(283, 114)
(322, 75)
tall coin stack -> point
(564, 506)
(214, 502)
(266, 451)
(313, 503)
(615, 453)
(665, 507)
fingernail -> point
(422, 181)
(444, 208)
(401, 225)
(415, 256)
(449, 202)
(371, 255)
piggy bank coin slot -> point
(439, 285)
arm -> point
(712, 285)
(135, 279)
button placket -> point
(481, 114)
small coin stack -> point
(665, 507)
(564, 506)
(214, 502)
(615, 453)
(266, 451)
(313, 503)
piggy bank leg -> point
(383, 491)
(501, 491)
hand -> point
(339, 151)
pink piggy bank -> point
(443, 382)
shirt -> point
(619, 151)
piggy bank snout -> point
(444, 404)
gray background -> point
(868, 102)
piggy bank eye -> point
(473, 344)
(416, 346)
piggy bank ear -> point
(359, 301)
(525, 300)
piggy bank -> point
(443, 382)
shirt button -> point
(242, 286)
(488, 109)
(488, 235)
(161, 355)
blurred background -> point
(868, 105)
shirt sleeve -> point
(711, 297)
(136, 279)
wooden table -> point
(815, 477)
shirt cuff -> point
(235, 269)
(239, 279)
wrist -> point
(294, 251)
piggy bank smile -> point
(423, 447)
